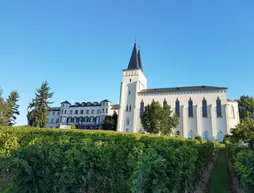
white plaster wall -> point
(233, 117)
(132, 82)
(197, 123)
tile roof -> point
(187, 88)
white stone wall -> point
(132, 82)
(53, 119)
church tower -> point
(133, 81)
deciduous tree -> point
(157, 119)
(246, 107)
(3, 111)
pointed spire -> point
(139, 60)
(133, 63)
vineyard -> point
(54, 160)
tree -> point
(246, 107)
(37, 115)
(157, 119)
(244, 131)
(110, 122)
(73, 126)
(12, 107)
(3, 111)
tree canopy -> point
(37, 115)
(12, 107)
(246, 107)
(110, 122)
(157, 119)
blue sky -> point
(80, 47)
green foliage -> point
(37, 115)
(157, 119)
(73, 126)
(243, 162)
(198, 138)
(12, 107)
(110, 122)
(3, 111)
(244, 131)
(57, 160)
(246, 107)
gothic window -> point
(141, 108)
(191, 135)
(127, 122)
(205, 135)
(164, 103)
(177, 107)
(232, 112)
(204, 107)
(220, 136)
(190, 108)
(218, 107)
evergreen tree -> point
(246, 107)
(12, 107)
(3, 111)
(37, 115)
(157, 119)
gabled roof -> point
(66, 102)
(135, 60)
(187, 88)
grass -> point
(219, 179)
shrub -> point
(56, 160)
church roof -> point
(187, 88)
(135, 60)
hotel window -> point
(204, 107)
(92, 111)
(190, 108)
(65, 111)
(52, 120)
(70, 111)
(177, 107)
(76, 111)
(81, 111)
(98, 111)
(141, 108)
(218, 107)
(53, 113)
(106, 110)
(87, 111)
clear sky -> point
(80, 47)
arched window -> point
(220, 136)
(177, 107)
(127, 121)
(141, 108)
(232, 112)
(205, 135)
(178, 133)
(204, 107)
(218, 107)
(190, 108)
(191, 135)
(165, 103)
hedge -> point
(243, 163)
(62, 160)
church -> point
(202, 110)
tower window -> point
(129, 92)
(130, 79)
(204, 107)
(177, 107)
(190, 108)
